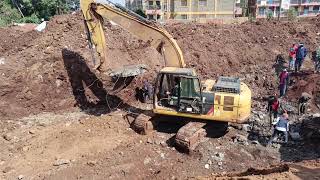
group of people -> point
(279, 118)
(297, 55)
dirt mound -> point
(53, 71)
(14, 39)
(247, 50)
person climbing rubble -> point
(273, 107)
(300, 56)
(292, 56)
(303, 103)
(283, 82)
(280, 127)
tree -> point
(8, 14)
(33, 10)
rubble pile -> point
(53, 70)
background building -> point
(187, 9)
(302, 7)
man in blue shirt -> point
(281, 127)
(301, 54)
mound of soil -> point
(52, 70)
(248, 50)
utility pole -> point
(280, 10)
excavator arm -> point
(94, 14)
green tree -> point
(33, 10)
(8, 14)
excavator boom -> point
(94, 14)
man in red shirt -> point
(283, 82)
(292, 56)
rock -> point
(163, 144)
(207, 166)
(92, 163)
(147, 160)
(8, 137)
(220, 163)
(2, 61)
(246, 127)
(20, 177)
(7, 169)
(255, 142)
(58, 82)
(162, 155)
(209, 162)
(32, 131)
(149, 140)
(218, 156)
(295, 136)
(60, 162)
(240, 138)
(25, 148)
(121, 153)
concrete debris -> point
(162, 155)
(207, 166)
(60, 162)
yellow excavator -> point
(178, 90)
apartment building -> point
(303, 7)
(160, 10)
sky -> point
(122, 2)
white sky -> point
(122, 2)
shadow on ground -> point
(88, 90)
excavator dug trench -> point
(178, 90)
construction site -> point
(63, 115)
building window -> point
(262, 11)
(202, 16)
(150, 17)
(315, 9)
(158, 4)
(158, 16)
(150, 3)
(184, 16)
(202, 2)
(184, 2)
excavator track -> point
(143, 124)
(189, 136)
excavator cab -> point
(179, 90)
